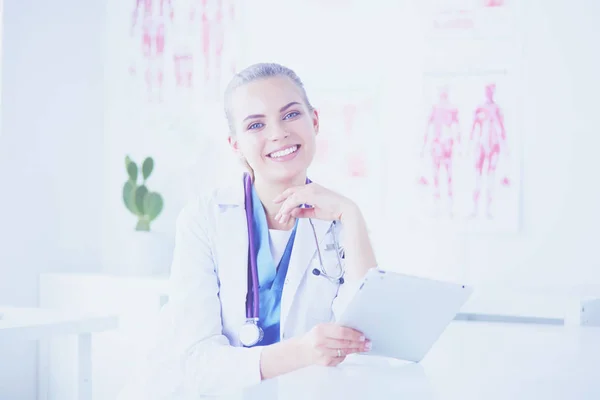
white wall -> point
(557, 244)
(50, 157)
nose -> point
(279, 133)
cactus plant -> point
(144, 204)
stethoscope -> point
(250, 333)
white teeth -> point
(284, 152)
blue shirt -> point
(270, 277)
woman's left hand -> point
(324, 203)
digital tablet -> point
(403, 315)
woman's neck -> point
(268, 190)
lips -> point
(284, 151)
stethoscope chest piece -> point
(250, 333)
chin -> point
(284, 175)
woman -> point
(292, 224)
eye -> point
(291, 114)
(256, 125)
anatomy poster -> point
(467, 143)
(167, 64)
(174, 47)
(468, 152)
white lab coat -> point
(198, 351)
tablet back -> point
(403, 315)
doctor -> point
(262, 268)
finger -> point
(285, 210)
(291, 203)
(347, 345)
(334, 352)
(335, 361)
(303, 213)
(342, 332)
(337, 353)
(285, 194)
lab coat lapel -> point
(233, 239)
(302, 253)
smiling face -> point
(274, 128)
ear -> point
(315, 119)
(234, 144)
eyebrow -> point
(282, 109)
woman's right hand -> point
(321, 344)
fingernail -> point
(368, 346)
(362, 339)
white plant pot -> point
(145, 253)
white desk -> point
(542, 305)
(471, 361)
(18, 324)
(137, 300)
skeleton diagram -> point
(212, 21)
(443, 133)
(184, 41)
(489, 139)
(154, 16)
